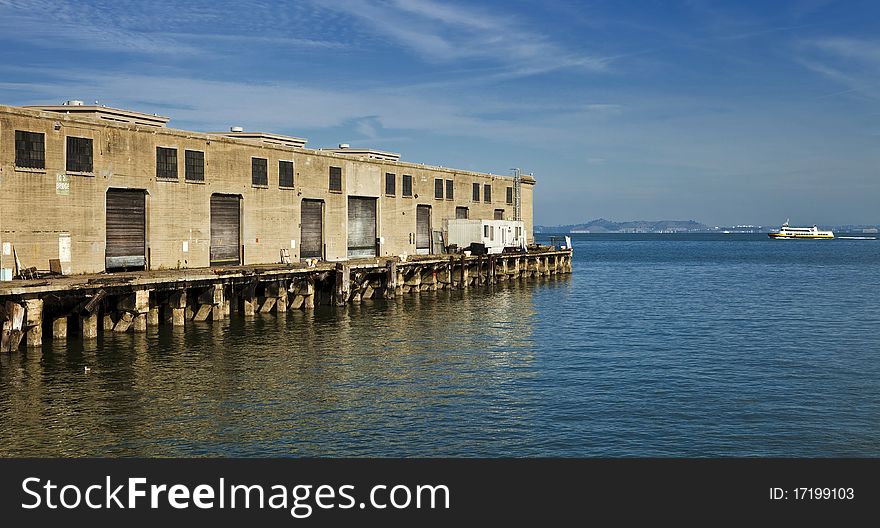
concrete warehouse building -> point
(103, 189)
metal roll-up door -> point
(126, 229)
(423, 229)
(361, 227)
(311, 229)
(225, 230)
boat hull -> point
(808, 236)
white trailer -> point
(495, 234)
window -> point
(476, 192)
(407, 185)
(390, 181)
(79, 154)
(166, 163)
(30, 150)
(518, 232)
(194, 165)
(499, 214)
(510, 195)
(285, 174)
(449, 190)
(487, 193)
(485, 231)
(438, 188)
(260, 172)
(461, 213)
(336, 179)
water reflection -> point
(444, 373)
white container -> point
(494, 234)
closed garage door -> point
(361, 227)
(225, 230)
(311, 229)
(126, 230)
(423, 229)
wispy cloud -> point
(445, 33)
(854, 63)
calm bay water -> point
(656, 345)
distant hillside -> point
(600, 225)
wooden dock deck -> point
(121, 302)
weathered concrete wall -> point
(41, 209)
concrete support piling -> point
(128, 306)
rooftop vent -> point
(344, 145)
(236, 129)
(73, 102)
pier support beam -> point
(59, 327)
(34, 322)
(390, 279)
(13, 326)
(89, 326)
(309, 293)
(177, 305)
(343, 284)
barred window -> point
(510, 195)
(438, 188)
(407, 185)
(336, 179)
(30, 150)
(166, 163)
(194, 161)
(449, 190)
(390, 183)
(79, 154)
(285, 174)
(487, 193)
(259, 171)
(476, 192)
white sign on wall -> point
(64, 247)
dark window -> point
(449, 190)
(336, 179)
(79, 154)
(259, 171)
(499, 214)
(476, 192)
(166, 163)
(194, 165)
(487, 193)
(285, 174)
(30, 150)
(407, 185)
(438, 188)
(461, 212)
(510, 195)
(390, 181)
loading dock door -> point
(126, 230)
(311, 229)
(225, 230)
(361, 227)
(423, 229)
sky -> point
(720, 112)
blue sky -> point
(723, 112)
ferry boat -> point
(800, 232)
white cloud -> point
(443, 33)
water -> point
(661, 345)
